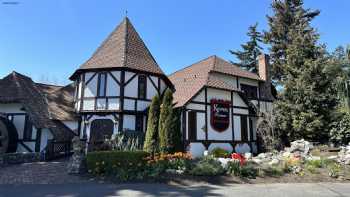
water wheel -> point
(8, 136)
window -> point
(250, 91)
(139, 123)
(142, 87)
(244, 129)
(28, 129)
(192, 125)
(102, 80)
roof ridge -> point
(212, 68)
(125, 59)
(46, 84)
(105, 40)
(182, 69)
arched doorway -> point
(100, 130)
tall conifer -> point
(250, 50)
(151, 139)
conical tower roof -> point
(123, 48)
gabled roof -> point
(38, 101)
(123, 48)
(60, 101)
(191, 79)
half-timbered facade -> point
(112, 91)
(36, 114)
(115, 86)
(220, 104)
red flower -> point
(239, 157)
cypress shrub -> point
(151, 139)
(165, 120)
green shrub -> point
(220, 152)
(334, 170)
(340, 132)
(124, 165)
(314, 163)
(247, 170)
(207, 166)
(326, 162)
(312, 169)
(274, 171)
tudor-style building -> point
(112, 91)
(115, 86)
(220, 104)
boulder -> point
(257, 161)
(286, 154)
(224, 161)
(274, 162)
(248, 156)
(333, 157)
(301, 146)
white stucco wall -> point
(131, 89)
(45, 136)
(196, 149)
(151, 90)
(129, 122)
(91, 87)
(200, 126)
(238, 101)
(11, 108)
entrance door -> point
(100, 130)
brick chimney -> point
(264, 74)
(264, 67)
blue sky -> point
(48, 40)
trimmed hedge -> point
(124, 165)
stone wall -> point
(17, 158)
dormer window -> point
(250, 91)
(142, 87)
(101, 88)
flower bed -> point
(295, 164)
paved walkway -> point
(51, 180)
(37, 173)
(95, 189)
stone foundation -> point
(18, 158)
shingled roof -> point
(191, 79)
(123, 48)
(40, 102)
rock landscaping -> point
(301, 162)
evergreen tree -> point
(287, 14)
(309, 91)
(165, 120)
(151, 139)
(175, 137)
(251, 50)
(341, 63)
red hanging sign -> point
(220, 114)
